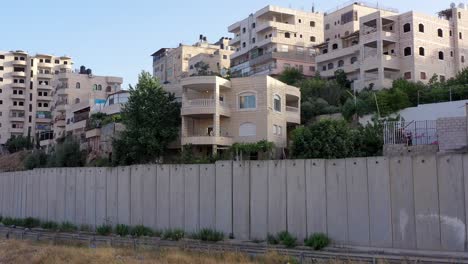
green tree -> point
(342, 79)
(202, 68)
(152, 121)
(291, 76)
(15, 144)
(67, 154)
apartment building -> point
(273, 39)
(217, 112)
(76, 94)
(26, 88)
(171, 65)
(376, 45)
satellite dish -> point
(453, 5)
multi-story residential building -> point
(376, 45)
(171, 65)
(217, 112)
(275, 38)
(26, 88)
(76, 93)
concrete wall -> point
(452, 133)
(411, 202)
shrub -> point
(141, 230)
(68, 227)
(16, 144)
(207, 234)
(85, 228)
(104, 229)
(317, 241)
(49, 225)
(287, 239)
(1, 218)
(122, 230)
(173, 234)
(8, 221)
(36, 159)
(31, 222)
(67, 154)
(272, 239)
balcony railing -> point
(205, 133)
(292, 109)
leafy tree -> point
(291, 76)
(342, 79)
(202, 68)
(36, 159)
(15, 144)
(67, 154)
(152, 120)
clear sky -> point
(117, 37)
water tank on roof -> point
(89, 71)
(82, 69)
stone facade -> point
(452, 133)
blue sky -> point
(117, 37)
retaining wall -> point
(407, 202)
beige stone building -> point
(171, 65)
(26, 89)
(376, 45)
(275, 38)
(217, 112)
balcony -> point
(18, 96)
(45, 75)
(207, 140)
(334, 54)
(17, 107)
(234, 41)
(19, 62)
(204, 106)
(45, 64)
(16, 130)
(293, 115)
(44, 86)
(278, 25)
(43, 109)
(17, 118)
(44, 98)
(18, 74)
(95, 132)
(290, 56)
(18, 85)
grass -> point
(14, 251)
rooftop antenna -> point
(313, 6)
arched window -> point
(324, 51)
(78, 85)
(77, 100)
(94, 87)
(340, 63)
(407, 51)
(421, 51)
(440, 33)
(247, 101)
(330, 66)
(99, 87)
(287, 35)
(353, 60)
(108, 89)
(277, 103)
(441, 55)
(407, 27)
(421, 28)
(247, 130)
(335, 46)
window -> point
(312, 39)
(283, 48)
(407, 75)
(1, 68)
(247, 130)
(243, 30)
(459, 15)
(324, 67)
(460, 36)
(353, 60)
(247, 101)
(77, 100)
(407, 51)
(421, 51)
(441, 55)
(244, 45)
(327, 26)
(1, 79)
(312, 23)
(225, 57)
(407, 27)
(451, 54)
(335, 46)
(463, 59)
(108, 89)
(312, 68)
(253, 40)
(423, 76)
(78, 85)
(300, 36)
(2, 57)
(324, 51)
(340, 63)
(300, 20)
(330, 66)
(440, 33)
(421, 28)
(277, 103)
(287, 35)
(253, 25)
(57, 62)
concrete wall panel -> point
(24, 193)
(70, 195)
(177, 196)
(451, 202)
(207, 196)
(2, 194)
(101, 188)
(316, 195)
(30, 192)
(36, 181)
(296, 197)
(277, 196)
(149, 196)
(123, 197)
(17, 194)
(223, 197)
(111, 195)
(163, 197)
(426, 202)
(380, 211)
(43, 182)
(137, 195)
(358, 201)
(241, 199)
(192, 197)
(258, 200)
(61, 193)
(337, 213)
(80, 202)
(401, 186)
(90, 195)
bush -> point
(36, 159)
(1, 218)
(31, 222)
(209, 235)
(85, 228)
(68, 227)
(317, 241)
(49, 225)
(67, 154)
(122, 230)
(287, 239)
(173, 234)
(18, 222)
(104, 230)
(16, 144)
(8, 221)
(141, 230)
(272, 239)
